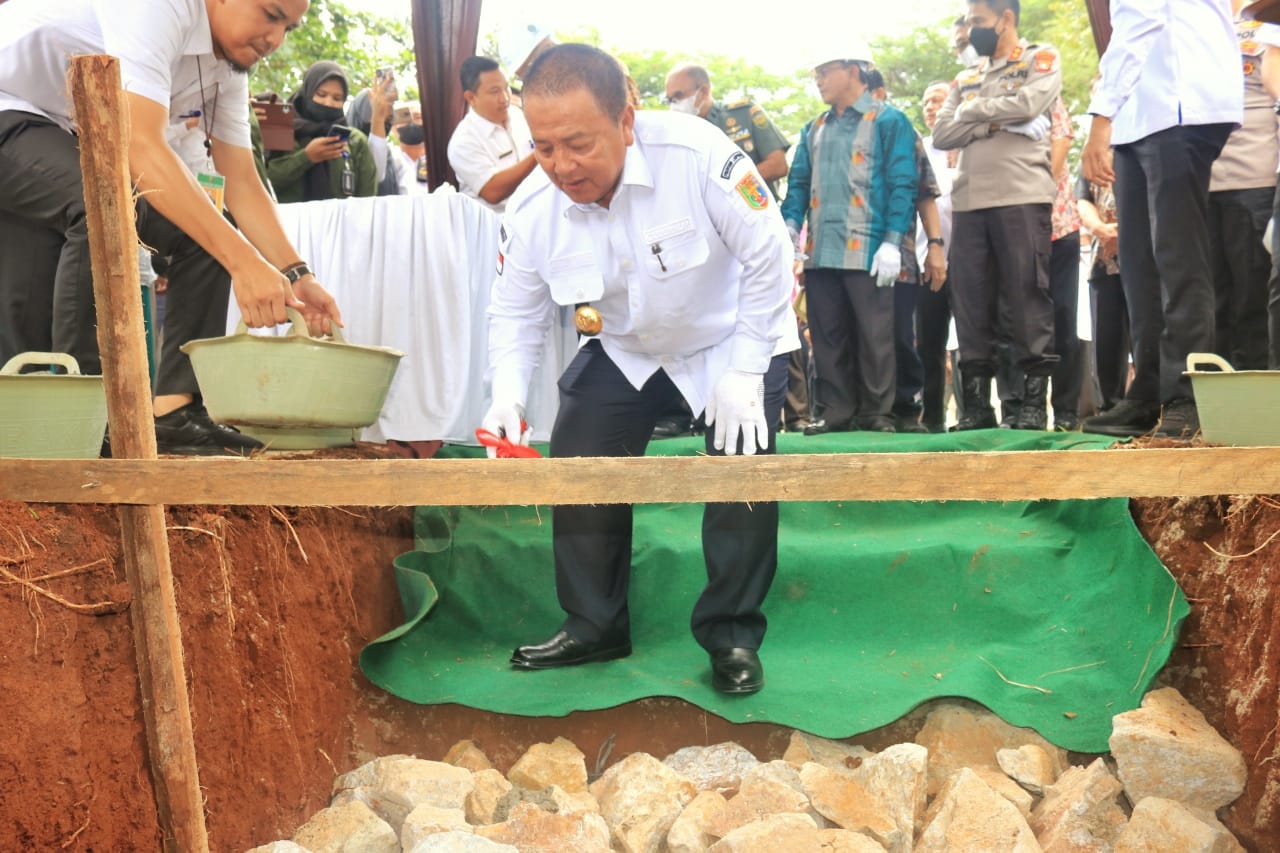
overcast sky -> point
(775, 40)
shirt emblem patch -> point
(502, 262)
(1045, 60)
(752, 192)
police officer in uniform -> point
(749, 126)
(666, 231)
(997, 116)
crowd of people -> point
(693, 273)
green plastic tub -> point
(48, 416)
(1239, 407)
(294, 381)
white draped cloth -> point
(414, 273)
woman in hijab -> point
(322, 165)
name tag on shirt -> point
(214, 186)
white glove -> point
(1035, 130)
(506, 419)
(887, 264)
(737, 405)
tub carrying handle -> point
(299, 327)
(14, 366)
(1199, 359)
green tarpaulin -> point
(1054, 614)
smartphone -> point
(276, 125)
(384, 73)
(341, 131)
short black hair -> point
(998, 6)
(960, 21)
(472, 68)
(874, 79)
(565, 67)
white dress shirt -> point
(165, 48)
(407, 174)
(689, 266)
(945, 175)
(479, 149)
(1169, 63)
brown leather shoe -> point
(564, 649)
(736, 671)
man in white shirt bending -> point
(490, 150)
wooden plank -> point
(101, 119)
(990, 476)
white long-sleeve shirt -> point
(689, 266)
(1169, 63)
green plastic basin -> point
(292, 381)
(47, 416)
(1238, 407)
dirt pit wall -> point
(276, 603)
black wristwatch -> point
(293, 272)
(937, 241)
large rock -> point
(804, 748)
(351, 827)
(898, 778)
(468, 756)
(396, 785)
(429, 820)
(533, 830)
(489, 789)
(1030, 766)
(968, 817)
(280, 847)
(546, 764)
(779, 833)
(762, 796)
(1080, 812)
(713, 768)
(1167, 749)
(640, 798)
(695, 829)
(844, 801)
(459, 842)
(1007, 788)
(566, 803)
(1160, 826)
(961, 734)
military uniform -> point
(1002, 197)
(751, 129)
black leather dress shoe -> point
(190, 431)
(736, 671)
(563, 649)
(822, 426)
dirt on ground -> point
(276, 603)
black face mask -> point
(984, 40)
(320, 112)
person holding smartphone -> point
(329, 158)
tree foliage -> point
(359, 41)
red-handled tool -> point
(505, 447)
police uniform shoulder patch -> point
(1045, 61)
(742, 104)
(752, 191)
(1016, 54)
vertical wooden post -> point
(113, 244)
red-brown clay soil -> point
(275, 605)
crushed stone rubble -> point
(969, 783)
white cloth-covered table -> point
(414, 273)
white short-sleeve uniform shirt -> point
(479, 149)
(165, 49)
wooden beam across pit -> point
(964, 476)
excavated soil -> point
(276, 603)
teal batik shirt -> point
(855, 176)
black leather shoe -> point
(190, 431)
(877, 423)
(673, 427)
(736, 671)
(1126, 418)
(822, 426)
(563, 649)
